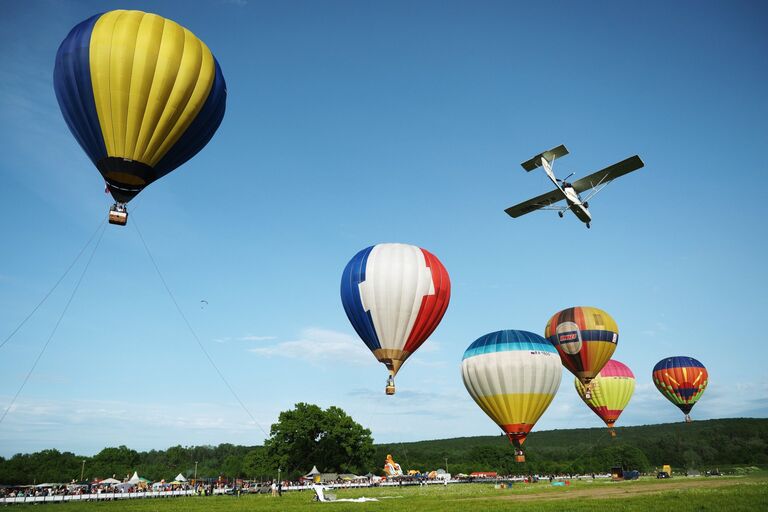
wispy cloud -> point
(257, 338)
(249, 337)
(316, 345)
(141, 424)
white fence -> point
(104, 496)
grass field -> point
(677, 494)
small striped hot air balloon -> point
(141, 94)
(394, 296)
(682, 380)
(611, 391)
(585, 338)
(513, 376)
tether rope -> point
(192, 331)
(58, 322)
(45, 297)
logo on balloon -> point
(569, 337)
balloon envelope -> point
(395, 296)
(513, 376)
(611, 391)
(682, 380)
(585, 338)
(140, 93)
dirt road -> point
(621, 489)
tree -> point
(329, 439)
(258, 465)
(120, 461)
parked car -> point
(662, 474)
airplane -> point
(570, 191)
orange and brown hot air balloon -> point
(585, 338)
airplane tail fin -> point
(549, 155)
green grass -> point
(678, 494)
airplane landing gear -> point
(560, 214)
(587, 225)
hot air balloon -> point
(394, 295)
(585, 338)
(513, 376)
(682, 380)
(611, 392)
(141, 94)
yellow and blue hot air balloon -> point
(141, 94)
(513, 376)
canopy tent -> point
(136, 479)
(312, 473)
(110, 481)
(180, 478)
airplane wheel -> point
(586, 205)
(560, 214)
(587, 225)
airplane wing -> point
(541, 201)
(550, 155)
(608, 174)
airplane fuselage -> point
(575, 205)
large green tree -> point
(330, 439)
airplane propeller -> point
(565, 180)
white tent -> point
(180, 478)
(110, 481)
(135, 478)
(312, 474)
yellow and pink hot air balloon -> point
(611, 391)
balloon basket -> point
(520, 458)
(688, 418)
(118, 214)
(390, 389)
(613, 433)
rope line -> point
(192, 331)
(13, 333)
(55, 327)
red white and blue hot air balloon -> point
(395, 296)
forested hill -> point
(700, 444)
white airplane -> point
(570, 191)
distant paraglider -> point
(395, 296)
(682, 380)
(585, 338)
(141, 94)
(611, 391)
(513, 376)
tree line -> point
(330, 439)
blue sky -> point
(352, 123)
